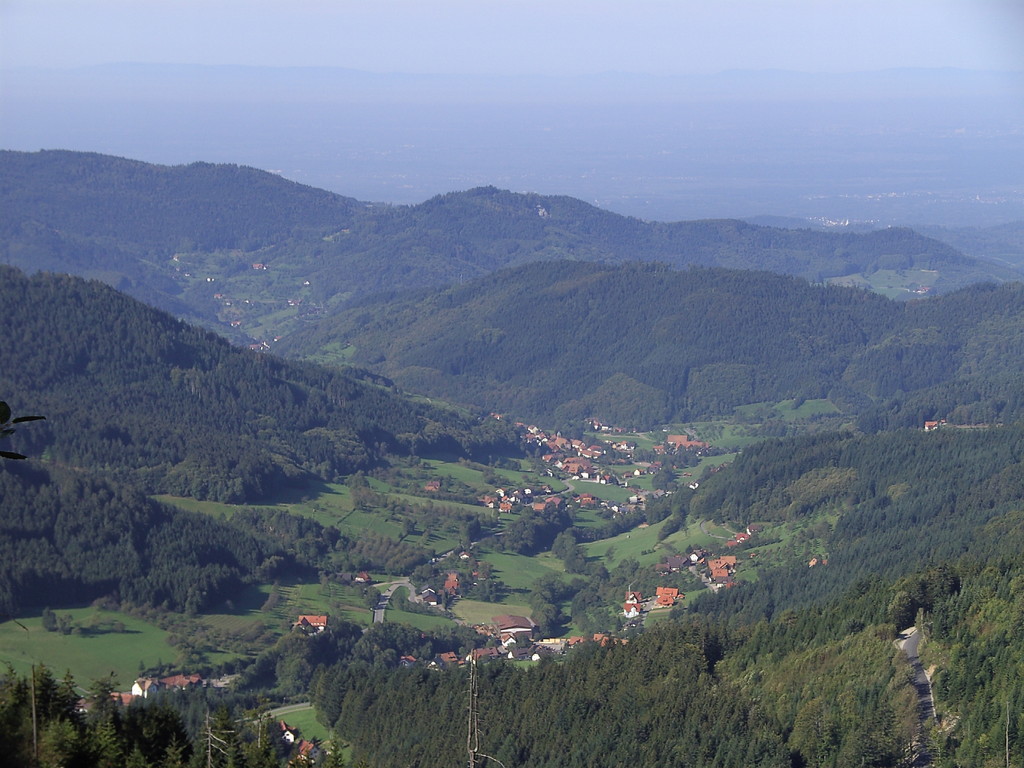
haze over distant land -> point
(907, 113)
(905, 146)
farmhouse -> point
(684, 442)
(311, 623)
(451, 583)
(667, 596)
(182, 682)
(288, 734)
(144, 686)
(513, 628)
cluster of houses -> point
(507, 499)
(743, 536)
(636, 604)
(677, 443)
(515, 638)
(143, 687)
(715, 572)
(577, 458)
(439, 598)
(305, 751)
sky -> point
(519, 36)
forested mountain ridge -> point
(252, 255)
(157, 208)
(646, 345)
(168, 408)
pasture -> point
(519, 572)
(103, 643)
(479, 612)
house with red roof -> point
(311, 623)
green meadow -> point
(104, 643)
(641, 544)
(519, 572)
(892, 283)
(305, 722)
(479, 612)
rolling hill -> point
(253, 255)
(918, 527)
(646, 345)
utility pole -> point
(1007, 732)
(472, 732)
(35, 737)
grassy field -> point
(93, 653)
(479, 612)
(323, 502)
(110, 641)
(589, 518)
(519, 572)
(423, 621)
(787, 410)
(889, 282)
(304, 720)
(642, 544)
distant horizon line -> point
(546, 75)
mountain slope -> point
(128, 390)
(646, 345)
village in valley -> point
(612, 458)
(613, 478)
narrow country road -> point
(382, 604)
(908, 641)
(280, 712)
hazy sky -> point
(519, 36)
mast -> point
(473, 726)
(472, 730)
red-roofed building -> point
(182, 682)
(124, 699)
(311, 623)
(684, 441)
(451, 583)
(667, 596)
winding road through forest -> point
(908, 641)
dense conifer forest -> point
(642, 345)
(173, 409)
(68, 538)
